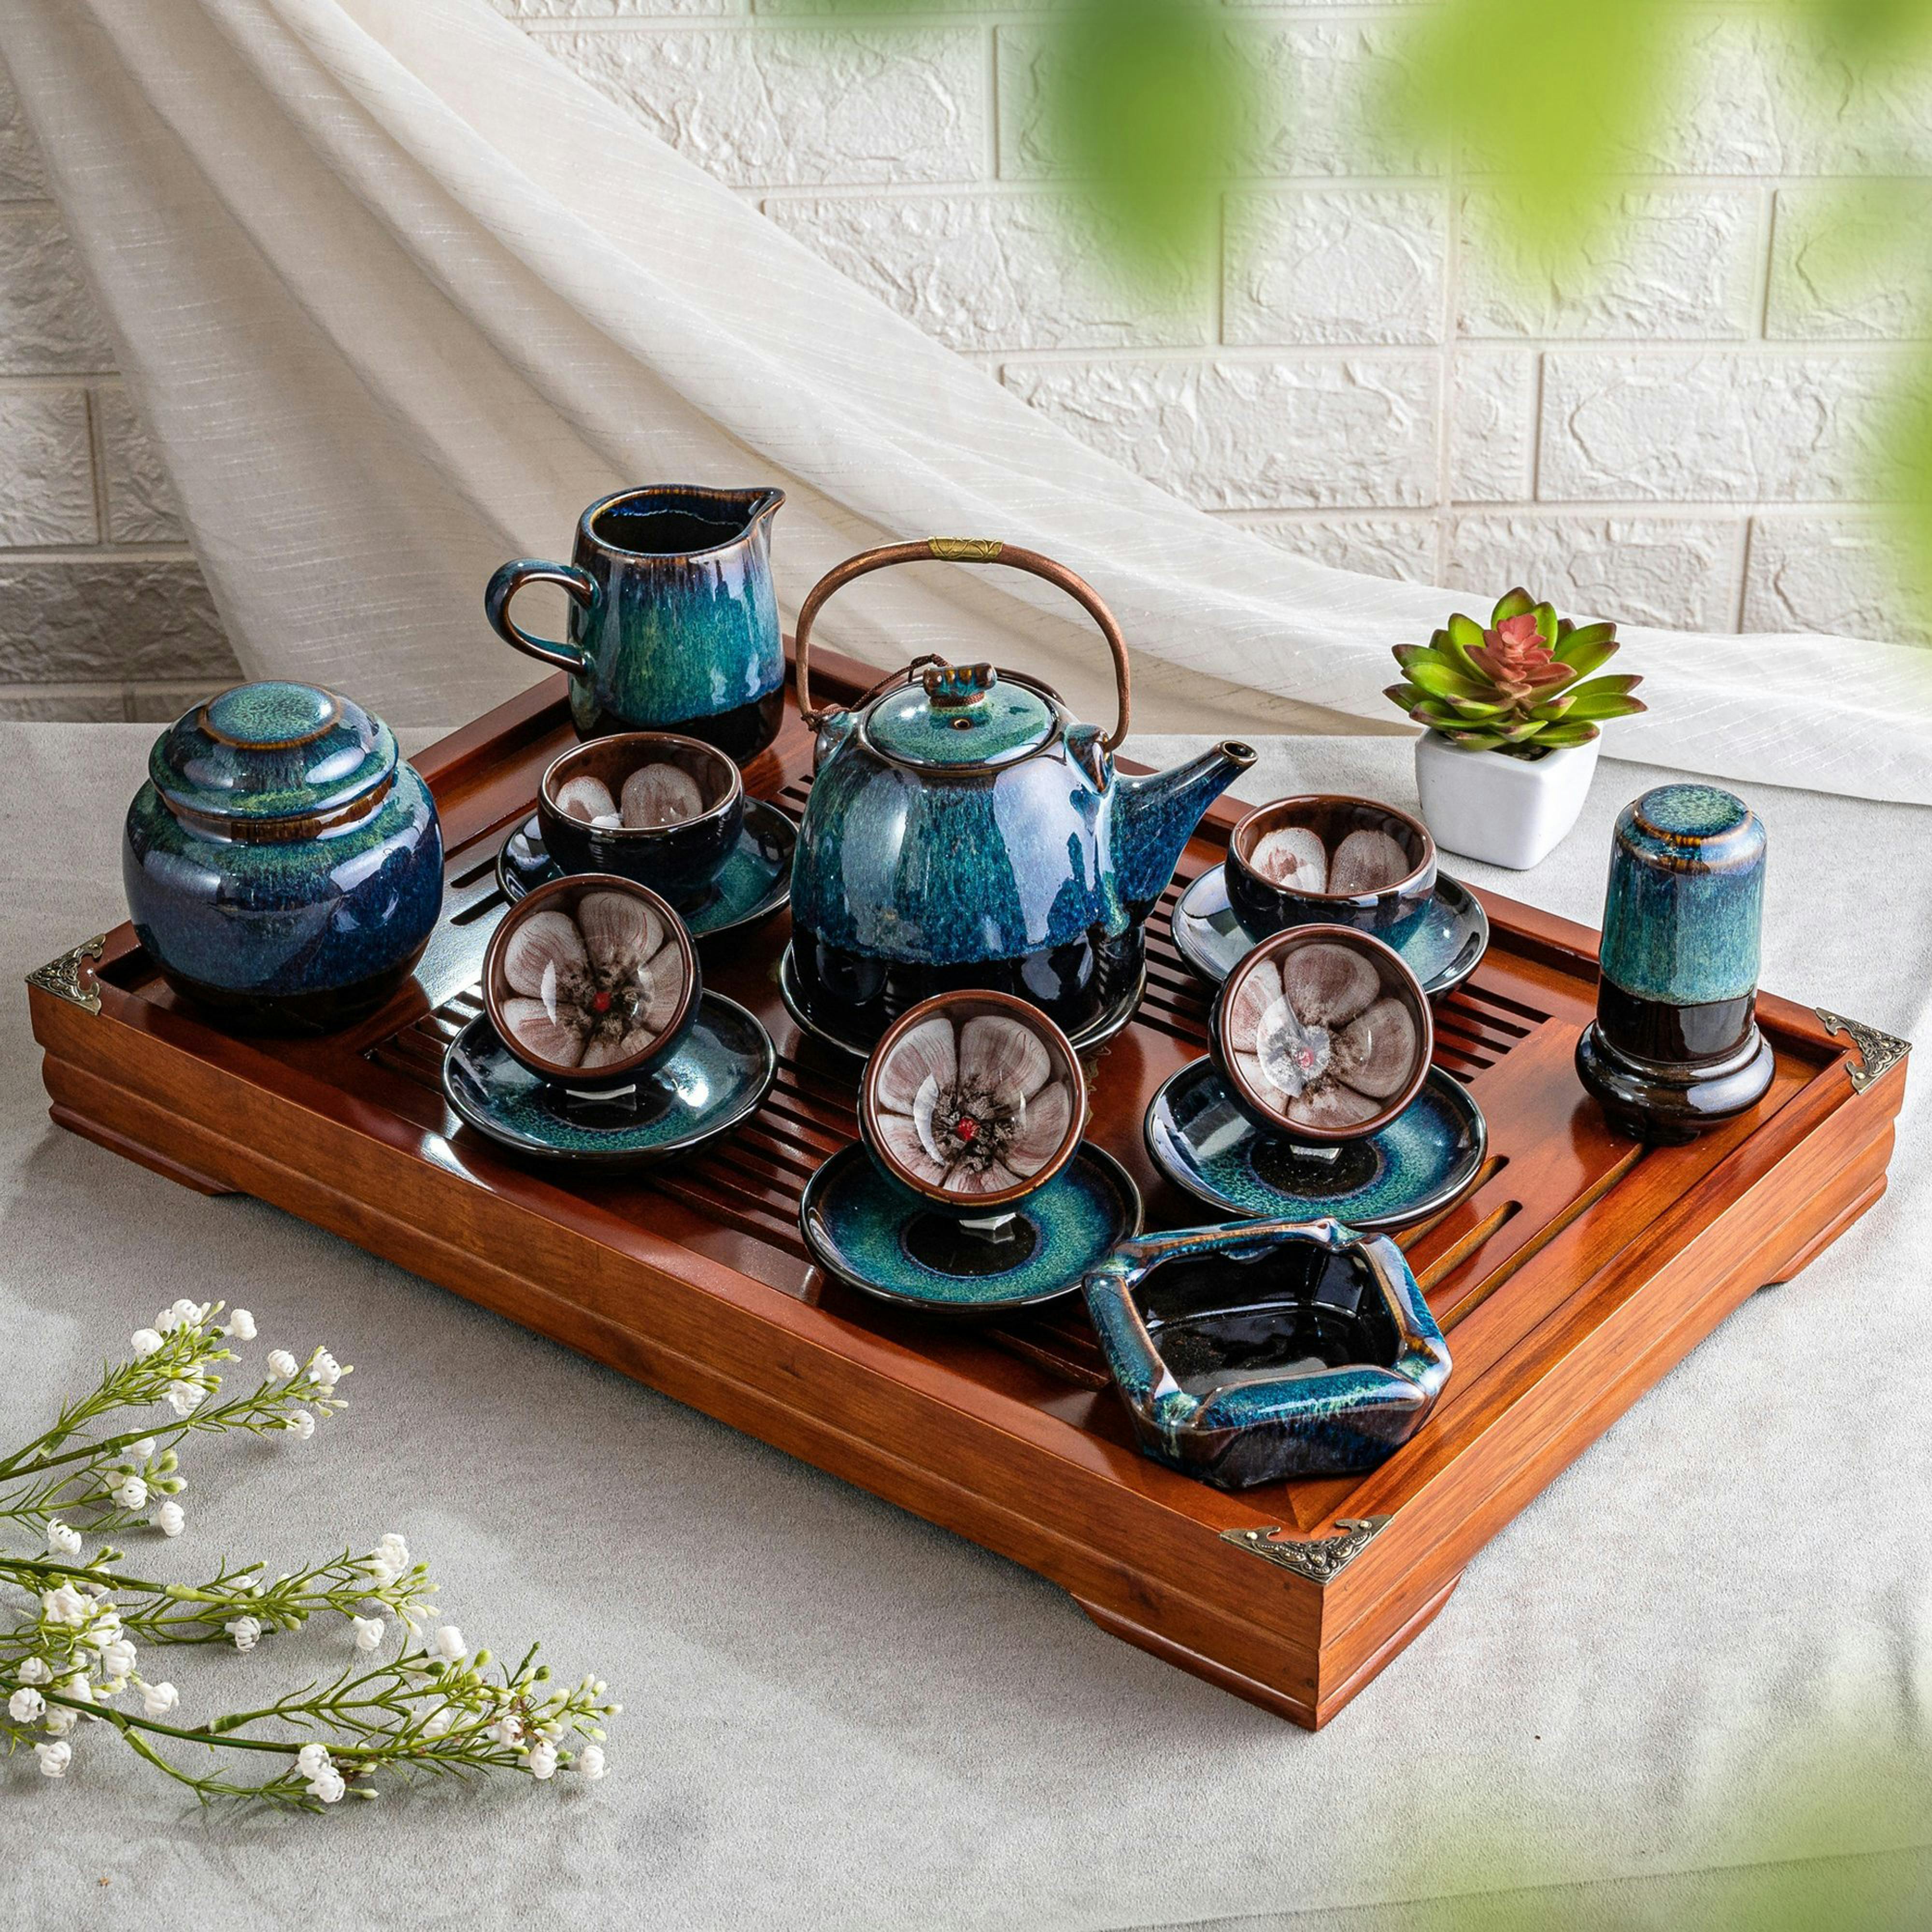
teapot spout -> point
(1155, 817)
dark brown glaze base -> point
(312, 1014)
(1655, 1032)
(1672, 1103)
(852, 998)
(741, 734)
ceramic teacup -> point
(678, 807)
(974, 1100)
(1327, 859)
(589, 981)
(673, 623)
(1321, 1033)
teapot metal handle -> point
(959, 550)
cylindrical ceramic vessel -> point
(1675, 1048)
(283, 866)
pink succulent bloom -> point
(1516, 659)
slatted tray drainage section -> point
(753, 1180)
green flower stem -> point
(285, 1604)
(19, 1467)
(125, 1722)
(183, 1356)
(416, 1708)
(265, 1399)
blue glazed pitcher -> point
(673, 622)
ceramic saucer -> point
(877, 1236)
(1403, 1173)
(1088, 1039)
(1442, 949)
(756, 881)
(718, 1076)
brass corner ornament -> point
(63, 977)
(1879, 1052)
(965, 550)
(1322, 1560)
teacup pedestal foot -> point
(1672, 1103)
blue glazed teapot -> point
(964, 830)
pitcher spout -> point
(1154, 817)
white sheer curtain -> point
(399, 295)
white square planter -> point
(1506, 811)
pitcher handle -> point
(959, 549)
(509, 581)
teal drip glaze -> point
(1440, 946)
(714, 1077)
(284, 916)
(1202, 1141)
(1002, 723)
(271, 751)
(1694, 810)
(1257, 1426)
(896, 865)
(755, 878)
(1309, 1402)
(856, 1217)
(1684, 906)
(271, 712)
(676, 638)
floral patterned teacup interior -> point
(973, 1098)
(593, 980)
(1324, 1031)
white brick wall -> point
(1688, 435)
(1359, 380)
(104, 614)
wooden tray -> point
(1578, 1269)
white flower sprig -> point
(68, 1480)
(74, 1643)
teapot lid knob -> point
(952, 687)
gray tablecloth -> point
(1708, 1647)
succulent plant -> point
(1524, 684)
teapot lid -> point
(959, 715)
(274, 750)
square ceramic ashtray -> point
(1267, 1349)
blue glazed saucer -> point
(1404, 1172)
(717, 1078)
(1442, 949)
(865, 1229)
(756, 881)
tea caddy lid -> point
(258, 753)
(1692, 826)
(957, 716)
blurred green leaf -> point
(1480, 75)
(1148, 102)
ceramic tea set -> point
(969, 889)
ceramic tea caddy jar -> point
(1675, 1048)
(963, 830)
(283, 865)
